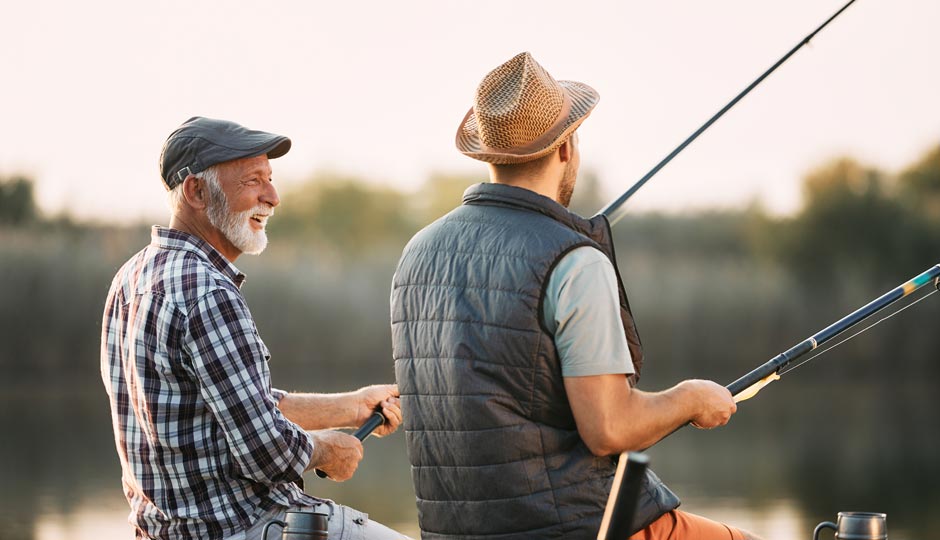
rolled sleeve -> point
(230, 364)
(278, 394)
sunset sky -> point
(377, 89)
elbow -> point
(601, 443)
(602, 450)
(282, 459)
(608, 442)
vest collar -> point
(491, 194)
(597, 229)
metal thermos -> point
(856, 526)
(311, 525)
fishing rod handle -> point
(366, 429)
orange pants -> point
(679, 525)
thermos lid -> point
(862, 526)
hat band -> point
(542, 141)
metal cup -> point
(312, 525)
(856, 526)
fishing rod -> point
(749, 385)
(615, 210)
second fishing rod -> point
(750, 384)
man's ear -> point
(194, 191)
(565, 151)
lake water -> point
(61, 479)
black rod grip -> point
(366, 429)
(620, 512)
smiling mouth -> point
(260, 219)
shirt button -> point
(359, 521)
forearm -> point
(649, 416)
(346, 410)
(614, 418)
(321, 411)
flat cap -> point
(200, 143)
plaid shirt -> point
(203, 447)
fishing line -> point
(862, 331)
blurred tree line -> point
(320, 293)
(17, 202)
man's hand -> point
(335, 453)
(714, 403)
(371, 398)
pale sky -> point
(376, 88)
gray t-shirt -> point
(581, 308)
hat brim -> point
(582, 98)
(276, 148)
(255, 144)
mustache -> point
(260, 210)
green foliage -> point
(343, 215)
(919, 186)
(442, 193)
(588, 197)
(708, 235)
(351, 218)
(17, 203)
(852, 224)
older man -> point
(515, 346)
(208, 449)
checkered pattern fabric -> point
(204, 449)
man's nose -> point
(269, 195)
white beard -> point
(235, 226)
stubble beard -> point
(566, 187)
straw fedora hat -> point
(520, 113)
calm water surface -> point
(61, 478)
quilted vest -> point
(493, 445)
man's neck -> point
(542, 188)
(204, 230)
(544, 181)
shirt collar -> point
(166, 238)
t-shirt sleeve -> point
(582, 310)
